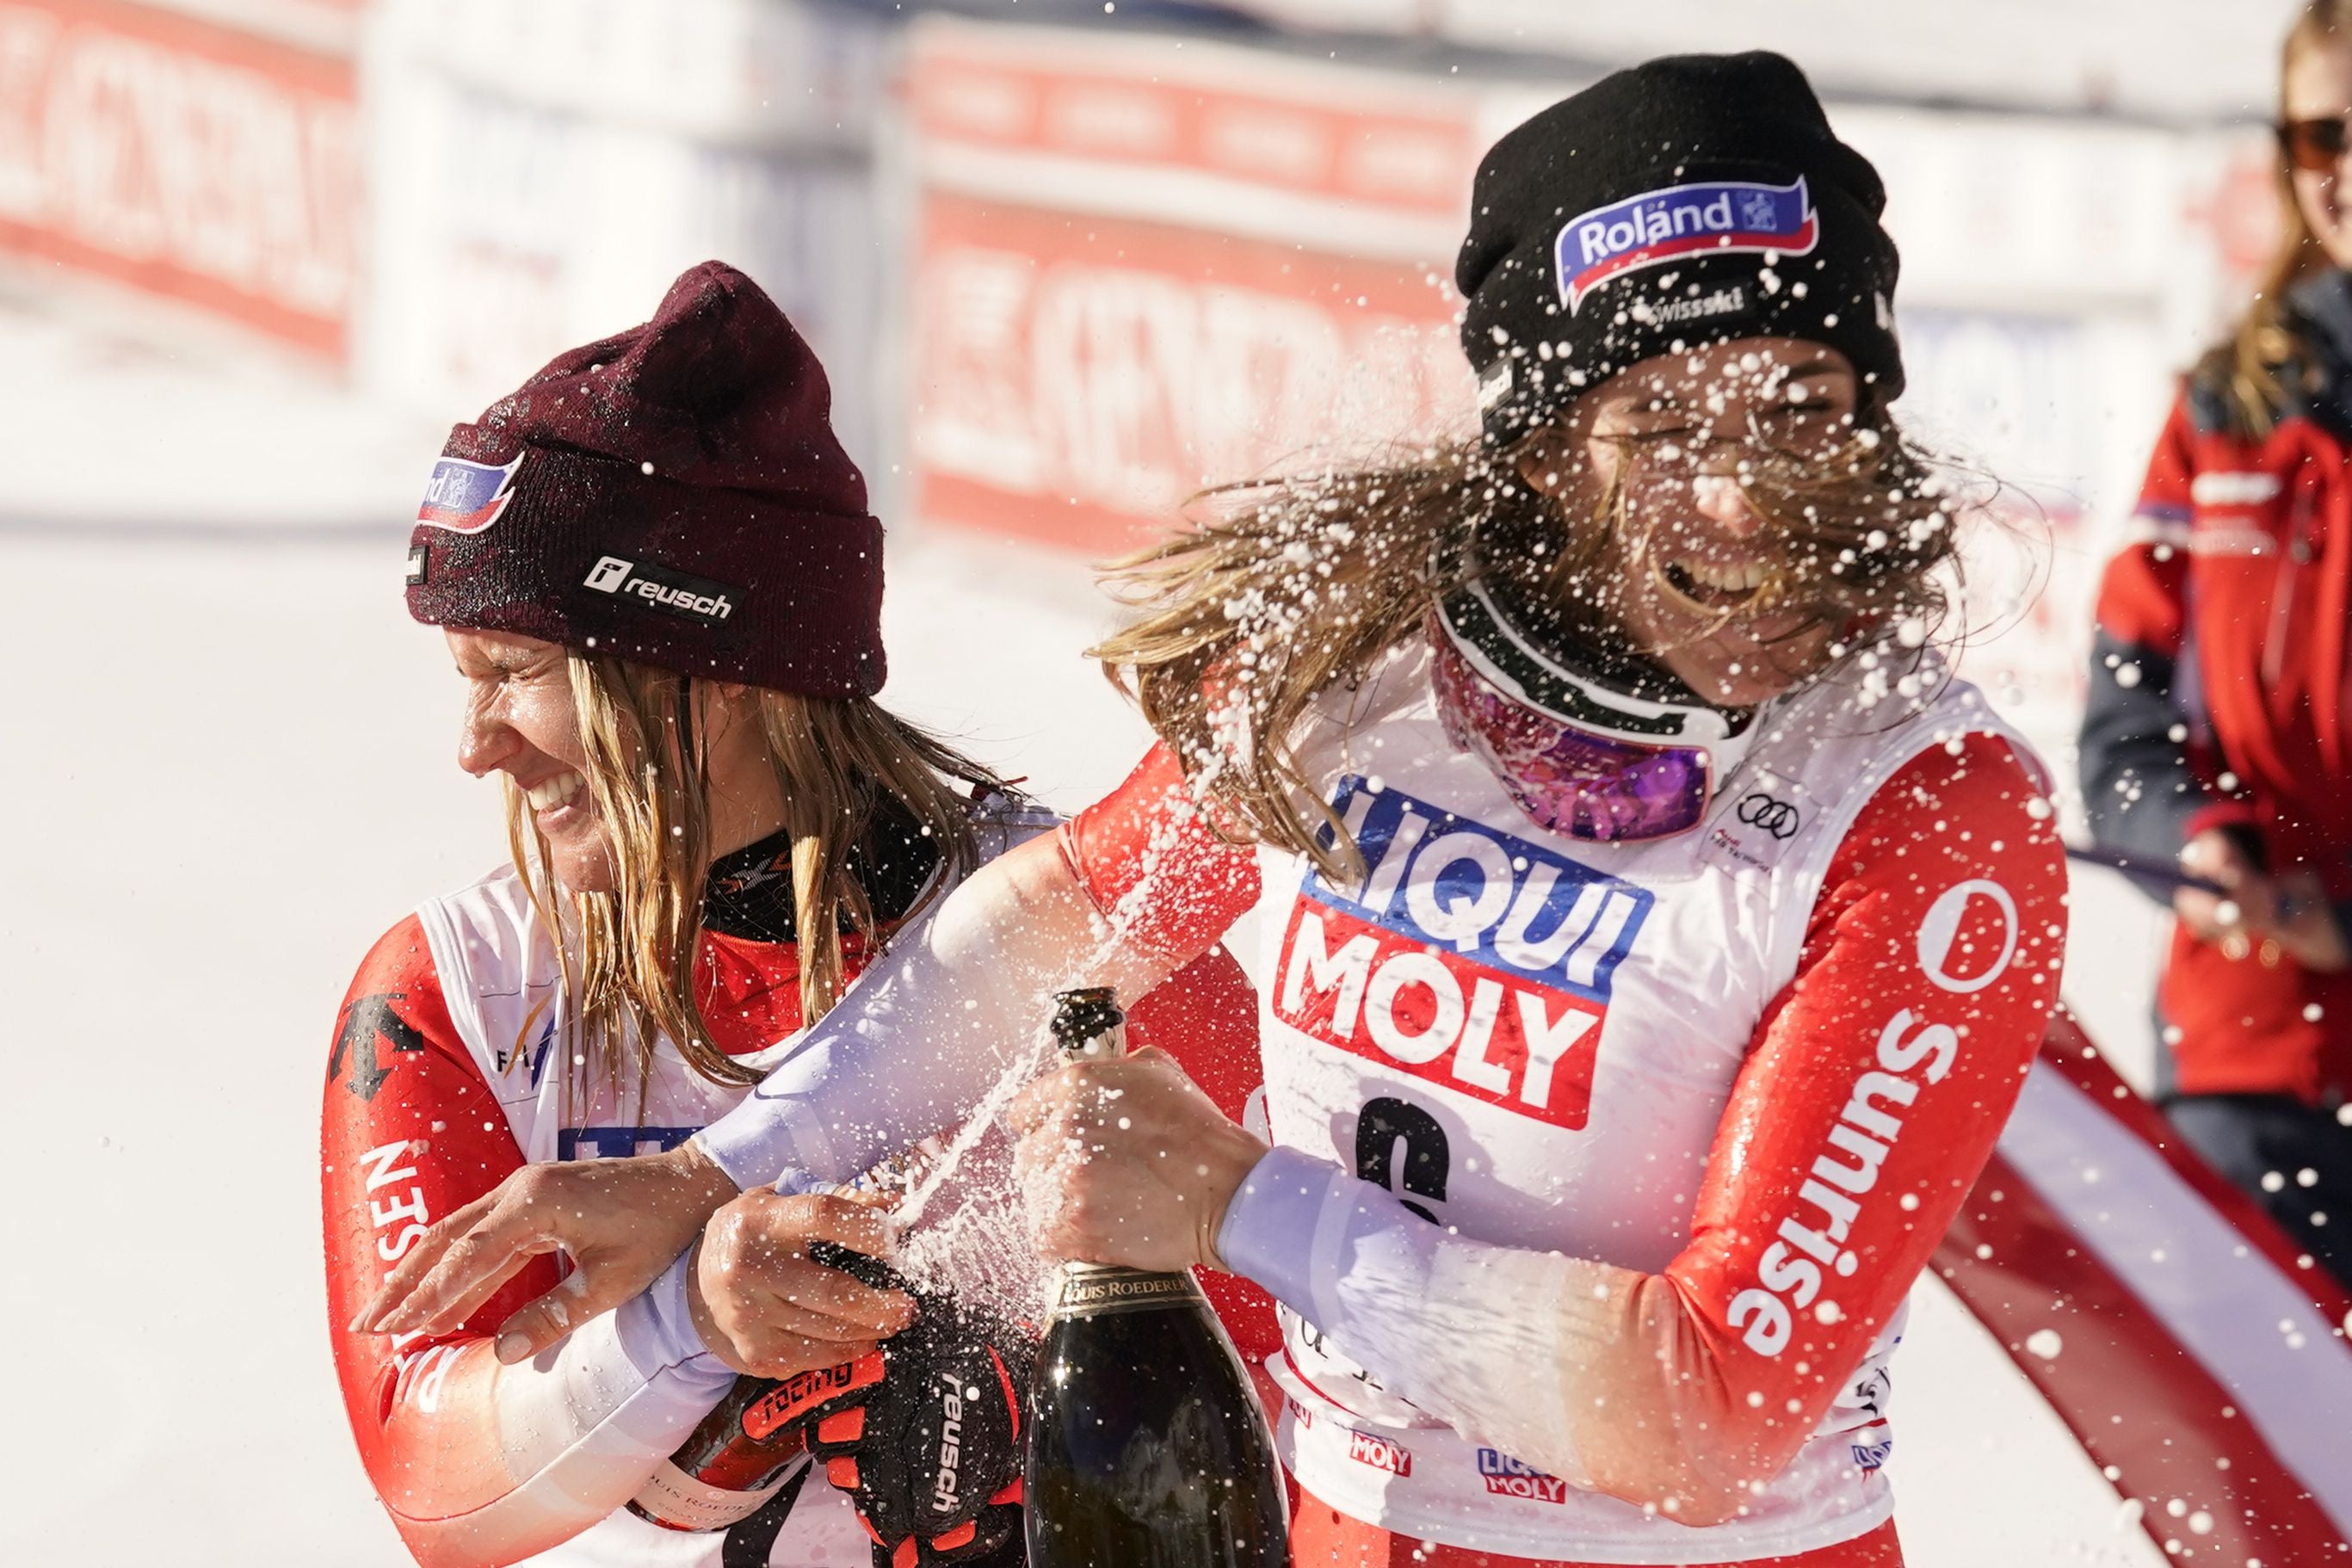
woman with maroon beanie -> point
(655, 569)
(2220, 716)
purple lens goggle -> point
(1579, 757)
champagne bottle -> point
(1147, 1448)
(732, 1463)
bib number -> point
(1402, 1148)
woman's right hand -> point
(764, 1306)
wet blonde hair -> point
(1274, 593)
(842, 764)
(2250, 369)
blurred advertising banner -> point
(1142, 266)
(2181, 62)
(547, 183)
(2011, 397)
(2058, 273)
(208, 165)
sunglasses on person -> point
(2315, 145)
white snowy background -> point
(229, 765)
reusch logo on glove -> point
(1709, 218)
(943, 1488)
(662, 588)
(1469, 956)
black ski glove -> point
(926, 1433)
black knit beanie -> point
(1684, 202)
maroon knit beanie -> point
(673, 495)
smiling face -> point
(1688, 563)
(522, 719)
(2318, 86)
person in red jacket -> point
(2219, 728)
(656, 574)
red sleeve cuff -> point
(1149, 830)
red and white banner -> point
(210, 166)
(1140, 272)
(2198, 1356)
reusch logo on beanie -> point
(1687, 201)
(672, 593)
(673, 495)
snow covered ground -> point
(229, 766)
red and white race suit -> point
(446, 1073)
(1755, 1068)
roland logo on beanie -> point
(1688, 200)
(466, 497)
(1720, 217)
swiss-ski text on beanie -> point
(672, 495)
(1687, 201)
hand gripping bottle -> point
(1147, 1446)
(754, 1445)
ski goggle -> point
(1579, 756)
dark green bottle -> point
(1147, 1448)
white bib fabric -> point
(1532, 1039)
(501, 978)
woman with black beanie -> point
(1656, 934)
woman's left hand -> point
(1126, 1161)
(766, 1307)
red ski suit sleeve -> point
(1872, 1093)
(411, 1132)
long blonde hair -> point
(2250, 369)
(842, 764)
(1277, 592)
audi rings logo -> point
(1767, 815)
